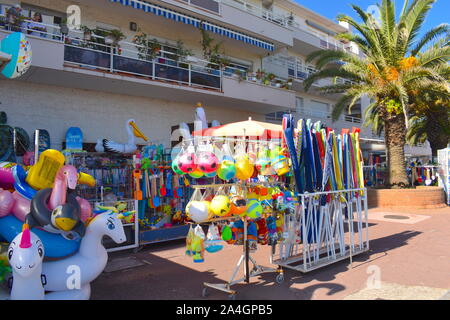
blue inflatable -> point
(23, 188)
(55, 245)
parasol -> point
(249, 128)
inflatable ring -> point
(23, 188)
(56, 246)
(40, 211)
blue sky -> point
(331, 8)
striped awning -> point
(208, 26)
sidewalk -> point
(411, 256)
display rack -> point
(113, 175)
(316, 234)
(245, 259)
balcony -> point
(209, 5)
(125, 60)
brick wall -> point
(426, 197)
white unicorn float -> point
(67, 279)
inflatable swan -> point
(69, 279)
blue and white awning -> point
(208, 26)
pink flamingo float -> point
(65, 179)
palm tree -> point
(432, 123)
(396, 64)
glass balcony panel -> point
(171, 73)
(206, 80)
(87, 57)
(124, 64)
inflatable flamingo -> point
(66, 178)
(90, 260)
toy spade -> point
(162, 189)
(137, 177)
(155, 200)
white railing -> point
(125, 58)
(261, 79)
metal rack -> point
(316, 234)
(244, 261)
(121, 183)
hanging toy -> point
(213, 241)
(189, 238)
(197, 245)
(175, 166)
(187, 162)
(198, 211)
(226, 233)
(254, 209)
(220, 205)
(207, 162)
(238, 205)
(211, 175)
(244, 169)
(196, 174)
(226, 170)
(263, 232)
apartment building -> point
(158, 71)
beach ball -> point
(187, 162)
(207, 162)
(175, 167)
(262, 164)
(281, 165)
(244, 169)
(238, 205)
(196, 174)
(227, 234)
(211, 175)
(227, 170)
(220, 205)
(198, 211)
(254, 209)
(275, 152)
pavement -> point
(409, 258)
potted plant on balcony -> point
(182, 54)
(290, 19)
(260, 74)
(278, 83)
(114, 37)
(87, 33)
(63, 28)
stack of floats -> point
(330, 223)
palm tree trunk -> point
(395, 138)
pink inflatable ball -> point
(28, 158)
(6, 175)
(187, 162)
(86, 209)
(207, 162)
(6, 202)
(21, 206)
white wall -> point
(99, 115)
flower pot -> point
(87, 36)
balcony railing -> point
(327, 116)
(95, 54)
(253, 77)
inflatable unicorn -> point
(25, 255)
(68, 279)
(88, 263)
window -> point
(276, 117)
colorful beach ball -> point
(227, 170)
(198, 211)
(220, 205)
(187, 162)
(196, 174)
(262, 164)
(244, 169)
(175, 167)
(207, 162)
(281, 165)
(254, 209)
(238, 205)
(211, 175)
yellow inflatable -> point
(42, 174)
(244, 169)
